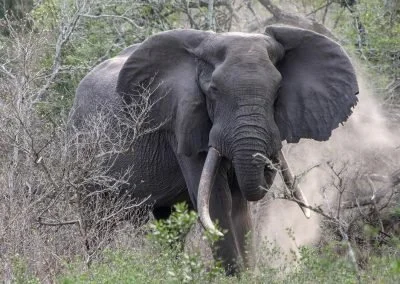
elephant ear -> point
(318, 88)
(165, 64)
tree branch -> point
(282, 17)
(64, 223)
(112, 16)
(210, 14)
(66, 30)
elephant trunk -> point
(249, 172)
(251, 180)
(207, 179)
(253, 135)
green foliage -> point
(373, 31)
(141, 266)
(331, 264)
(382, 269)
(167, 236)
(382, 47)
(46, 15)
(324, 266)
(154, 265)
(170, 233)
(162, 260)
(93, 40)
(20, 272)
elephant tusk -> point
(292, 184)
(207, 179)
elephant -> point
(223, 104)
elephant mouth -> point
(207, 179)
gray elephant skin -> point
(220, 99)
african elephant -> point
(219, 100)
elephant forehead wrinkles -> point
(246, 46)
(259, 46)
(248, 58)
(219, 47)
(247, 53)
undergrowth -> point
(163, 260)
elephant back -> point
(97, 89)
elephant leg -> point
(242, 226)
(191, 168)
(227, 250)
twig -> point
(351, 253)
(66, 30)
(126, 208)
(130, 21)
(374, 206)
(64, 223)
(211, 14)
(325, 6)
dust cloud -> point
(364, 145)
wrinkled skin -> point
(238, 93)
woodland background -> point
(52, 229)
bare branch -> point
(66, 29)
(54, 223)
(114, 17)
(211, 14)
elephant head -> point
(235, 95)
